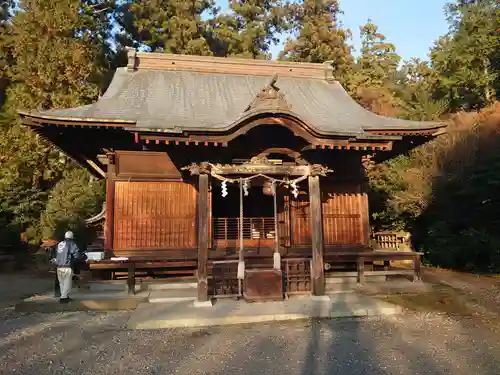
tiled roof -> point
(163, 94)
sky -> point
(411, 25)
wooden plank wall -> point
(300, 220)
(343, 209)
(345, 216)
(155, 215)
(146, 164)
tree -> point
(172, 26)
(319, 37)
(5, 56)
(378, 61)
(72, 200)
(467, 60)
(250, 29)
(415, 86)
(60, 50)
(372, 82)
(60, 53)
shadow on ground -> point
(98, 343)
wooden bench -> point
(371, 256)
(132, 264)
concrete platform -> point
(229, 312)
(169, 285)
(395, 286)
(172, 296)
(83, 301)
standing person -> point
(67, 254)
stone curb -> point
(233, 320)
(54, 306)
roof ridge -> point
(225, 65)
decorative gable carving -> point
(270, 97)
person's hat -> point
(68, 235)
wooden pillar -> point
(361, 270)
(203, 238)
(131, 278)
(365, 217)
(110, 204)
(416, 267)
(366, 164)
(318, 273)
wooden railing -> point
(254, 228)
(392, 241)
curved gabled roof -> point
(175, 94)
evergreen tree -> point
(373, 80)
(5, 56)
(378, 61)
(414, 85)
(59, 51)
(249, 29)
(319, 37)
(467, 60)
(73, 199)
(172, 26)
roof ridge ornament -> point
(131, 59)
(269, 97)
(328, 70)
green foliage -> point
(444, 191)
(372, 82)
(459, 228)
(73, 199)
(378, 61)
(59, 53)
(57, 46)
(249, 29)
(319, 37)
(173, 26)
(5, 55)
(466, 61)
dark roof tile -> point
(177, 100)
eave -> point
(33, 120)
(90, 165)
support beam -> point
(203, 238)
(318, 273)
(110, 205)
(96, 168)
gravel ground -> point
(15, 287)
(92, 343)
(481, 290)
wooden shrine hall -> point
(249, 174)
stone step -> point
(112, 286)
(172, 296)
(154, 286)
(340, 288)
(329, 279)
